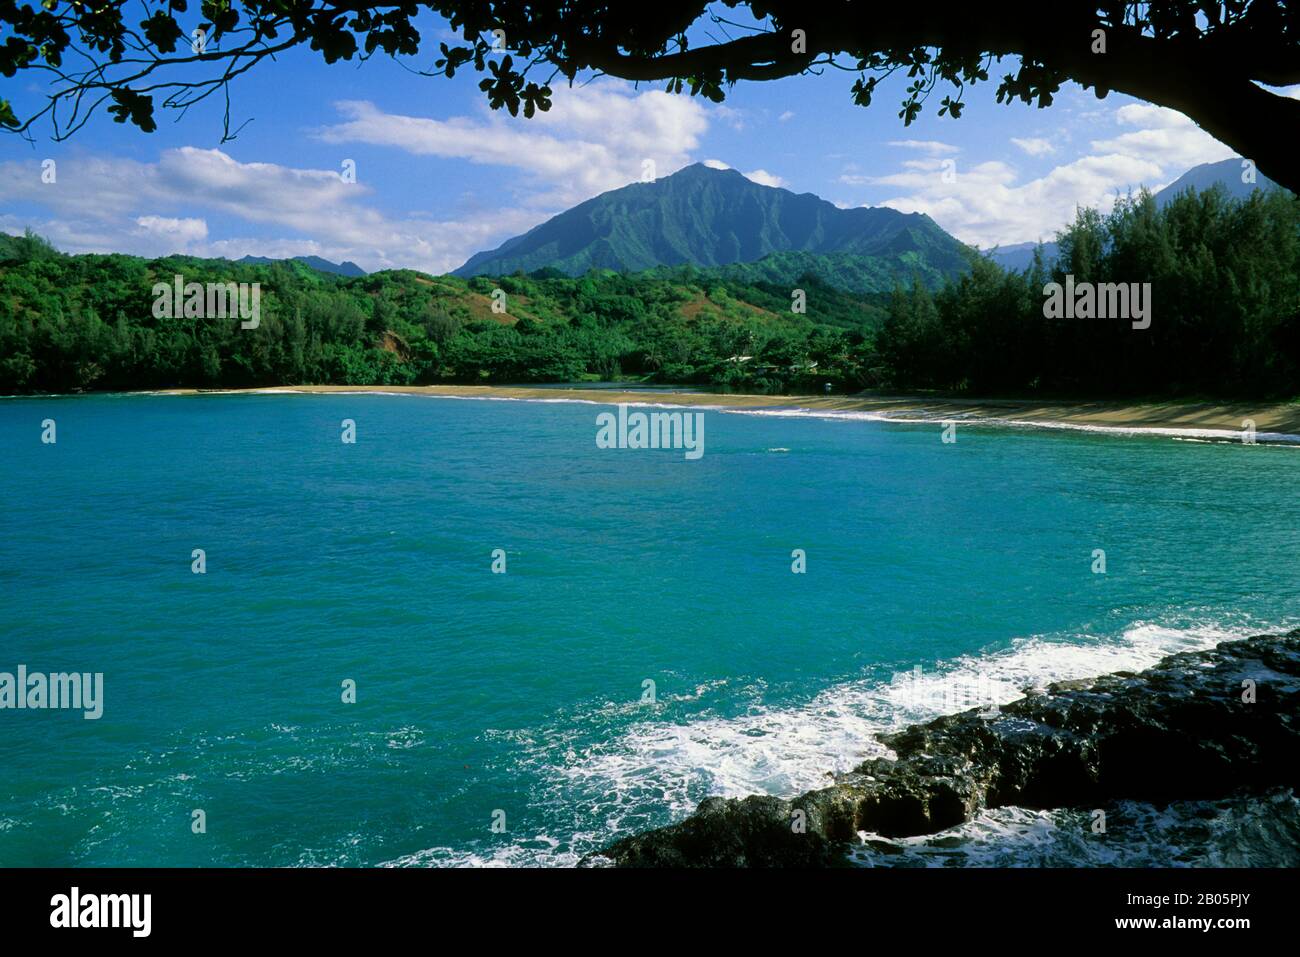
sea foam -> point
(655, 769)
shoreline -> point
(1167, 734)
(1273, 421)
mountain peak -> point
(1226, 173)
(705, 169)
(705, 216)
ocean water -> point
(516, 699)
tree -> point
(1204, 59)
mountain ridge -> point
(713, 218)
(1225, 173)
(345, 268)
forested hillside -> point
(1224, 280)
(70, 323)
(718, 218)
(1225, 320)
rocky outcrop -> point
(1198, 725)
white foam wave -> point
(922, 417)
(1250, 830)
(539, 851)
(625, 781)
(896, 416)
(784, 751)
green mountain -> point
(714, 218)
(346, 268)
(1225, 277)
(1226, 174)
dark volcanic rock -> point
(1181, 730)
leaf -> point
(136, 107)
(162, 31)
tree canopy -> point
(1206, 60)
(1224, 274)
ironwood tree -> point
(1210, 61)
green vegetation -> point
(1213, 62)
(717, 218)
(1225, 319)
(72, 323)
(1224, 274)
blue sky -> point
(439, 176)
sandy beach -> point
(1281, 418)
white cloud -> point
(96, 207)
(786, 116)
(183, 231)
(1148, 115)
(933, 147)
(990, 204)
(1034, 146)
(594, 138)
(764, 178)
(985, 205)
(1166, 137)
(109, 188)
(731, 116)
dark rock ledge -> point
(1177, 731)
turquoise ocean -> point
(647, 646)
